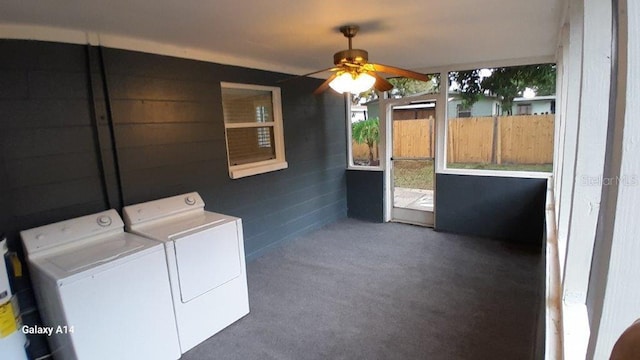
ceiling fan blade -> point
(401, 72)
(333, 68)
(325, 84)
(381, 83)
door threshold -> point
(400, 221)
(414, 217)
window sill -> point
(364, 168)
(497, 173)
(237, 172)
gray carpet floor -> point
(357, 290)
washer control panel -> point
(68, 231)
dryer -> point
(102, 293)
(205, 259)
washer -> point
(102, 292)
(205, 257)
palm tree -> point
(367, 132)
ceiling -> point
(298, 36)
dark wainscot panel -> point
(505, 208)
(365, 195)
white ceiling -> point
(299, 36)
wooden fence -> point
(414, 138)
(522, 139)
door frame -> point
(386, 109)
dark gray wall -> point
(86, 129)
(495, 207)
(58, 160)
(365, 195)
(169, 132)
(50, 169)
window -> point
(253, 129)
(264, 138)
(496, 138)
(524, 109)
(364, 131)
(462, 111)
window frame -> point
(381, 145)
(441, 124)
(442, 120)
(264, 166)
(528, 107)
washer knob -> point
(190, 200)
(104, 221)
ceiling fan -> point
(352, 71)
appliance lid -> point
(95, 256)
(172, 228)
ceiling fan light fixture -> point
(354, 73)
(354, 83)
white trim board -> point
(553, 311)
(591, 147)
(80, 37)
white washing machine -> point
(102, 293)
(205, 257)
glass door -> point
(411, 168)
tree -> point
(506, 83)
(401, 87)
(509, 83)
(468, 84)
(367, 132)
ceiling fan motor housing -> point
(351, 56)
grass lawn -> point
(419, 174)
(413, 174)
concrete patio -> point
(416, 199)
